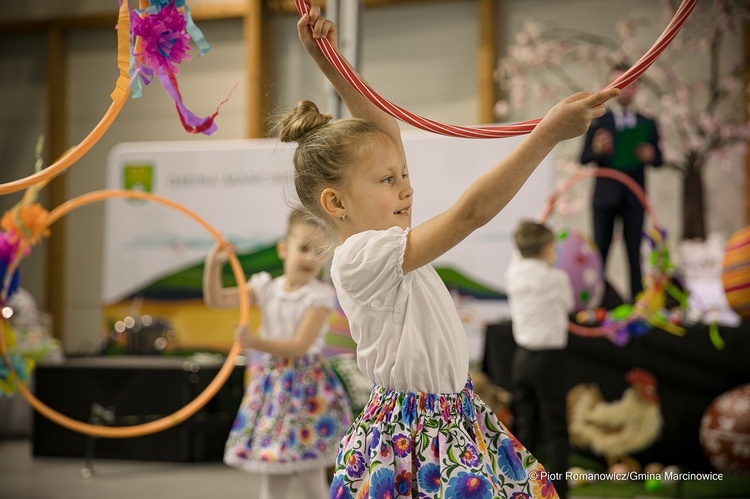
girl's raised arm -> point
(489, 194)
(214, 294)
(314, 25)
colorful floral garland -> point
(22, 226)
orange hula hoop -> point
(213, 387)
(119, 95)
(640, 194)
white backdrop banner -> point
(243, 188)
(239, 187)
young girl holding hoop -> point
(424, 432)
(295, 409)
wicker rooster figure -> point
(615, 430)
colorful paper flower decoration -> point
(629, 321)
(22, 227)
(159, 41)
(8, 250)
(20, 367)
(26, 221)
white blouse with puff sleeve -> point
(408, 333)
(281, 311)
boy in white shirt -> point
(540, 297)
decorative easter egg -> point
(669, 474)
(578, 256)
(725, 431)
(576, 476)
(735, 275)
(652, 485)
(653, 476)
(653, 468)
(620, 471)
(592, 476)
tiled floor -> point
(23, 476)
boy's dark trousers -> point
(539, 386)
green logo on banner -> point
(138, 177)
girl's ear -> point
(281, 249)
(330, 200)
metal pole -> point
(334, 101)
(347, 14)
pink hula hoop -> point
(490, 132)
(626, 180)
(637, 190)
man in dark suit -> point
(627, 141)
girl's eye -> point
(388, 180)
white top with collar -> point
(540, 298)
(281, 311)
(625, 118)
(407, 329)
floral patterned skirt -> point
(291, 418)
(425, 445)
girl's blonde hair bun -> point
(300, 121)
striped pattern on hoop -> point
(489, 132)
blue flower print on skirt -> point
(430, 446)
(291, 418)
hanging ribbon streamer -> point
(160, 41)
(488, 132)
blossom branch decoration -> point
(695, 88)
